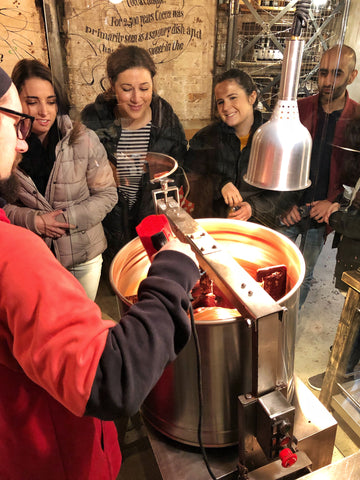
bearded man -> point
(325, 115)
(12, 140)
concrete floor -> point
(319, 317)
(317, 324)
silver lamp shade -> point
(281, 148)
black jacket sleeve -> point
(264, 207)
(147, 338)
(346, 223)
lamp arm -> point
(301, 17)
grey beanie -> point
(5, 82)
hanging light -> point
(281, 148)
(116, 1)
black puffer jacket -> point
(166, 136)
(347, 239)
(215, 159)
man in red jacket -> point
(326, 116)
(65, 372)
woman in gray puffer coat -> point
(66, 185)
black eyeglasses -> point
(23, 127)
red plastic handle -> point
(149, 230)
(288, 457)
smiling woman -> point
(235, 106)
(66, 183)
(219, 154)
(39, 100)
(133, 89)
(132, 120)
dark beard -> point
(9, 189)
(335, 94)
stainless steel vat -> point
(224, 337)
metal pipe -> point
(230, 35)
(53, 40)
(290, 72)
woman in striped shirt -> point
(131, 120)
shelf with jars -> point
(268, 4)
(251, 36)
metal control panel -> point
(275, 423)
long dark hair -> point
(242, 78)
(26, 69)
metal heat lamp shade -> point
(281, 148)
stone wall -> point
(179, 34)
(22, 33)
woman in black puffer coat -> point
(218, 156)
(130, 107)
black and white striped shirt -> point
(130, 158)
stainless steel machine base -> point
(314, 429)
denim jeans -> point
(311, 244)
(88, 274)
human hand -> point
(291, 217)
(319, 209)
(181, 247)
(47, 224)
(231, 195)
(334, 207)
(243, 212)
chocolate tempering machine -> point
(258, 420)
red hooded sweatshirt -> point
(63, 368)
(43, 434)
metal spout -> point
(281, 148)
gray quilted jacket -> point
(81, 184)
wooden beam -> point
(52, 30)
(345, 337)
